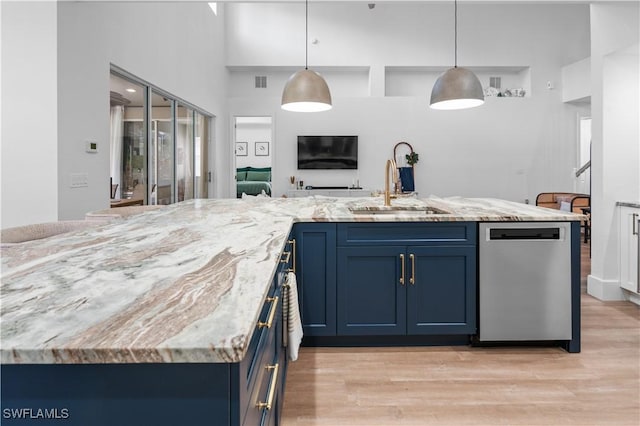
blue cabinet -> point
(370, 299)
(161, 394)
(406, 279)
(441, 293)
(316, 277)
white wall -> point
(29, 118)
(615, 35)
(252, 133)
(508, 148)
(177, 47)
(576, 81)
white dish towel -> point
(293, 316)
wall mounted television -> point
(327, 152)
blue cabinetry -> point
(316, 276)
(406, 278)
(246, 393)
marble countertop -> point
(180, 284)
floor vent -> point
(261, 81)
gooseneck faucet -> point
(390, 166)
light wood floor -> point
(477, 386)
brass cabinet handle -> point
(634, 229)
(402, 269)
(638, 276)
(412, 280)
(272, 313)
(293, 250)
(272, 388)
(286, 257)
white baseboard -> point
(632, 297)
(604, 289)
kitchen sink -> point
(399, 210)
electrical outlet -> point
(79, 180)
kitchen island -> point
(159, 312)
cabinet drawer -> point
(258, 340)
(266, 376)
(406, 233)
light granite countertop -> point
(179, 284)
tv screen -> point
(327, 152)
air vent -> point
(495, 82)
(261, 81)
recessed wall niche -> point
(417, 81)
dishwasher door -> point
(524, 281)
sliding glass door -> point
(127, 146)
(162, 150)
(184, 152)
(201, 156)
(159, 146)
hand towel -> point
(406, 179)
(294, 324)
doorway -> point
(583, 174)
(253, 139)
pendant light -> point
(306, 90)
(456, 88)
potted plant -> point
(412, 158)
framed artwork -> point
(242, 149)
(262, 149)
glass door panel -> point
(161, 177)
(127, 158)
(184, 152)
(201, 156)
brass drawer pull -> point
(293, 250)
(272, 388)
(402, 269)
(272, 312)
(412, 280)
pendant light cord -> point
(455, 26)
(306, 34)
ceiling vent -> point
(261, 81)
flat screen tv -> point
(327, 152)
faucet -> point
(391, 165)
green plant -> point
(412, 158)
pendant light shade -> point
(456, 88)
(306, 90)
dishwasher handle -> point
(497, 234)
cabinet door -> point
(371, 299)
(441, 296)
(629, 248)
(316, 277)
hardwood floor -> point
(477, 386)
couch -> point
(253, 180)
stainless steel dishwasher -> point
(524, 281)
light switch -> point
(79, 180)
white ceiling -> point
(372, 1)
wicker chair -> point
(37, 231)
